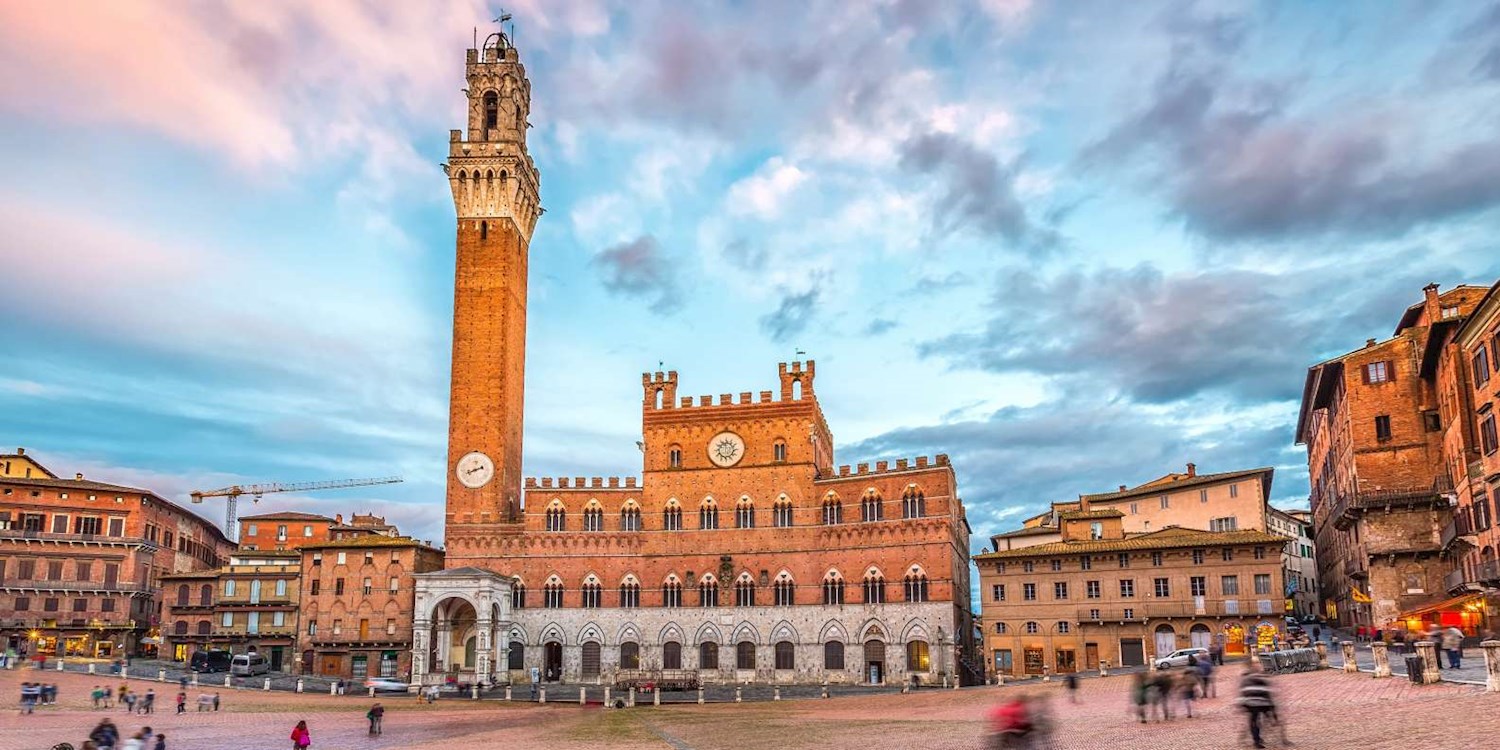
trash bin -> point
(1414, 669)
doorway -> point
(1132, 652)
(552, 662)
(875, 662)
(1200, 636)
(1033, 660)
(1003, 661)
(591, 659)
(1067, 660)
(276, 658)
(1090, 656)
(331, 665)
(1166, 640)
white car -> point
(386, 685)
(1179, 658)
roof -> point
(1168, 538)
(1175, 482)
(467, 570)
(1477, 314)
(88, 484)
(29, 459)
(288, 515)
(1028, 531)
(1409, 318)
(1081, 515)
(368, 540)
(194, 574)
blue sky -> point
(1072, 245)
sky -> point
(1072, 245)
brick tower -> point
(495, 194)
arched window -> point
(552, 594)
(744, 592)
(671, 655)
(671, 592)
(708, 592)
(180, 628)
(182, 595)
(708, 655)
(833, 510)
(206, 595)
(589, 666)
(518, 595)
(782, 512)
(786, 655)
(917, 657)
(593, 518)
(630, 593)
(484, 229)
(516, 657)
(778, 451)
(833, 655)
(674, 457)
(1063, 627)
(557, 517)
(744, 655)
(744, 513)
(874, 587)
(491, 111)
(204, 627)
(630, 517)
(916, 585)
(671, 516)
(833, 588)
(913, 502)
(593, 593)
(1000, 628)
(630, 655)
(784, 590)
(708, 515)
(1032, 628)
(870, 507)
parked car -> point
(249, 665)
(1179, 658)
(386, 685)
(211, 661)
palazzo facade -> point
(742, 552)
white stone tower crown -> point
(490, 171)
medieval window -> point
(630, 594)
(778, 451)
(1064, 627)
(1227, 523)
(1091, 589)
(674, 457)
(227, 620)
(1060, 589)
(671, 655)
(1028, 566)
(593, 594)
(833, 656)
(833, 510)
(630, 655)
(86, 525)
(784, 591)
(744, 655)
(708, 593)
(1056, 565)
(517, 595)
(915, 586)
(1449, 313)
(671, 516)
(1234, 490)
(874, 587)
(1096, 531)
(744, 514)
(229, 587)
(785, 655)
(1227, 554)
(1124, 559)
(338, 587)
(1432, 421)
(1202, 496)
(1383, 427)
(182, 595)
(671, 593)
(1129, 613)
(913, 503)
(593, 518)
(870, 507)
(708, 515)
(781, 513)
(1162, 587)
(552, 594)
(557, 518)
(630, 518)
(317, 587)
(833, 588)
(708, 655)
(1377, 372)
(1166, 502)
(1197, 557)
(1127, 588)
(1028, 592)
(1260, 553)
(997, 592)
(491, 111)
(744, 592)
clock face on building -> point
(474, 470)
(726, 449)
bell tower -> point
(495, 195)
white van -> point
(248, 665)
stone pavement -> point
(1328, 709)
(1471, 666)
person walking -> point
(1453, 643)
(104, 735)
(1071, 682)
(124, 689)
(1139, 695)
(1161, 694)
(1187, 689)
(1206, 678)
(161, 742)
(137, 741)
(181, 702)
(216, 701)
(148, 704)
(301, 738)
(375, 714)
(1256, 700)
(31, 693)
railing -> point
(75, 623)
(48, 536)
(1455, 580)
(32, 584)
(1488, 572)
(1456, 528)
(1354, 567)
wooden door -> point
(1090, 656)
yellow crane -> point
(232, 494)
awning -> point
(1453, 603)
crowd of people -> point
(35, 694)
(107, 736)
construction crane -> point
(232, 494)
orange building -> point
(81, 561)
(743, 553)
(285, 530)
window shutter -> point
(1390, 370)
(1364, 374)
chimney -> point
(1192, 470)
(20, 451)
(1122, 488)
(1430, 302)
(338, 518)
(78, 476)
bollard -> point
(1151, 661)
(737, 698)
(299, 684)
(1491, 666)
(1000, 678)
(1046, 673)
(1103, 669)
(700, 694)
(91, 667)
(473, 692)
(195, 679)
(956, 682)
(582, 697)
(161, 674)
(1382, 659)
(228, 680)
(825, 690)
(630, 701)
(1430, 664)
(267, 688)
(541, 695)
(775, 692)
(1349, 664)
(905, 688)
(656, 697)
(59, 665)
(1322, 655)
(507, 692)
(606, 698)
(333, 689)
(372, 692)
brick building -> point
(1381, 489)
(248, 606)
(286, 530)
(81, 561)
(1102, 593)
(1298, 559)
(743, 552)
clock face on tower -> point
(474, 470)
(726, 449)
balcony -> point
(1457, 530)
(1354, 568)
(1456, 581)
(1157, 609)
(1488, 572)
(90, 587)
(1348, 507)
(47, 536)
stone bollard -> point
(1350, 665)
(700, 694)
(825, 690)
(1322, 649)
(1103, 669)
(91, 667)
(161, 674)
(228, 680)
(473, 692)
(630, 699)
(541, 694)
(268, 686)
(372, 692)
(905, 688)
(1000, 678)
(333, 689)
(1382, 659)
(59, 665)
(194, 682)
(1491, 666)
(299, 685)
(583, 698)
(775, 692)
(737, 696)
(1046, 673)
(1151, 662)
(1430, 664)
(656, 697)
(507, 693)
(607, 703)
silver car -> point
(385, 685)
(1179, 658)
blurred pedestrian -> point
(1010, 724)
(1205, 669)
(1256, 701)
(1140, 695)
(1187, 689)
(148, 703)
(137, 741)
(181, 702)
(301, 738)
(31, 694)
(1161, 694)
(216, 701)
(375, 715)
(124, 689)
(1071, 682)
(97, 695)
(105, 735)
(161, 742)
(1453, 642)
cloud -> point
(977, 192)
(879, 326)
(743, 255)
(791, 316)
(761, 194)
(640, 268)
(934, 284)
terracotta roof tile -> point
(1168, 538)
(1079, 515)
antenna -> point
(799, 353)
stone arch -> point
(591, 632)
(746, 632)
(669, 632)
(784, 631)
(915, 630)
(628, 632)
(833, 630)
(874, 628)
(518, 633)
(553, 633)
(709, 632)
